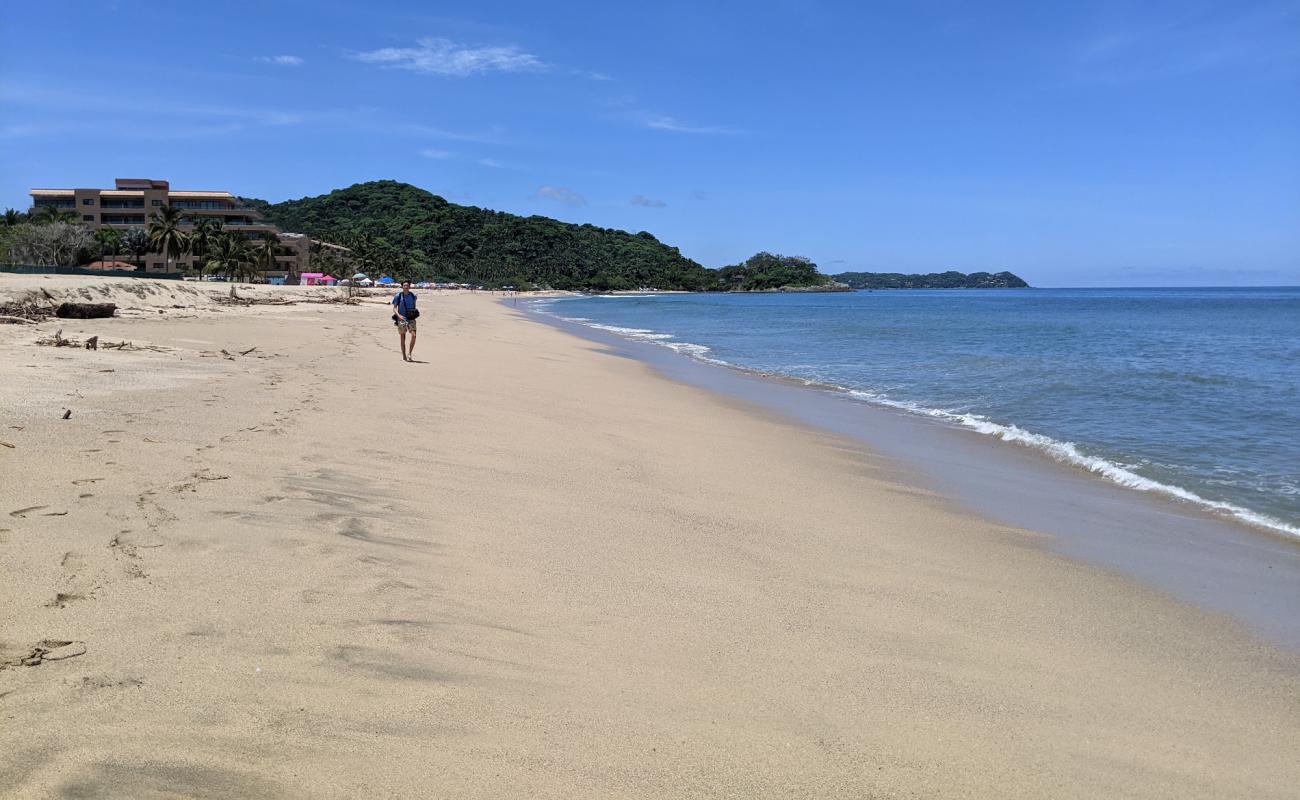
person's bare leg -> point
(401, 331)
(410, 351)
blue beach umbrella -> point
(385, 280)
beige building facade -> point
(133, 201)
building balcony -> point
(205, 205)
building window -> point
(87, 217)
(157, 202)
(89, 201)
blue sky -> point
(1078, 144)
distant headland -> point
(933, 280)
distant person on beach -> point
(404, 315)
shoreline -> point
(1058, 451)
(529, 565)
(1216, 560)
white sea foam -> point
(1064, 452)
(1069, 453)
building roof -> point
(140, 183)
(131, 193)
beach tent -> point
(365, 282)
(329, 280)
(310, 278)
(384, 281)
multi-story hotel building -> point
(134, 200)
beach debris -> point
(85, 310)
(92, 343)
(22, 512)
(249, 350)
(67, 414)
(47, 650)
(57, 340)
(6, 444)
(25, 311)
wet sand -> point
(1212, 560)
(530, 567)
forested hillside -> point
(934, 280)
(402, 230)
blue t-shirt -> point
(404, 303)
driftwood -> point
(85, 310)
(92, 343)
(57, 340)
(23, 312)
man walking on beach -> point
(404, 314)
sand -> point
(525, 567)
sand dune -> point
(526, 567)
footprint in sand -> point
(62, 599)
(47, 650)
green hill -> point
(934, 280)
(402, 230)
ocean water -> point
(1191, 393)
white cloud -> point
(665, 123)
(562, 195)
(284, 61)
(642, 200)
(491, 162)
(444, 57)
(437, 155)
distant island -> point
(933, 280)
(397, 229)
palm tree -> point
(136, 242)
(166, 236)
(229, 256)
(109, 240)
(50, 213)
(267, 251)
(202, 238)
(13, 217)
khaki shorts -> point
(407, 325)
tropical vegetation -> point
(768, 272)
(398, 229)
(166, 236)
(935, 280)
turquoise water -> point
(1192, 393)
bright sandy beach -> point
(527, 567)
